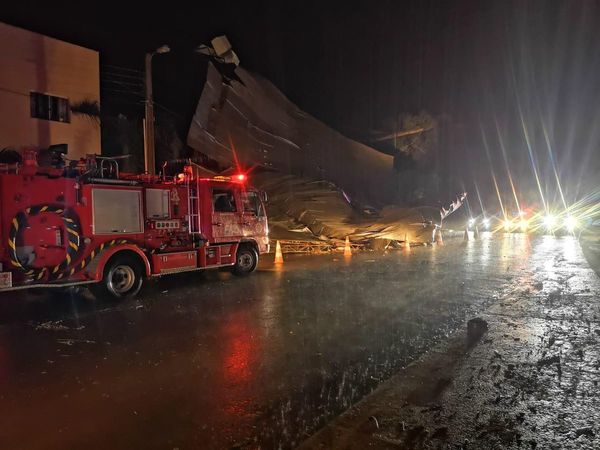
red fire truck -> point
(90, 224)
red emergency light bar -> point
(239, 178)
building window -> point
(49, 107)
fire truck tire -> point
(122, 278)
(246, 261)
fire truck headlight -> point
(507, 225)
(549, 221)
(523, 225)
(570, 223)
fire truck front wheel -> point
(246, 261)
(122, 278)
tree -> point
(87, 108)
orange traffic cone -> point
(278, 254)
(347, 249)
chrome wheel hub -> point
(245, 261)
(121, 279)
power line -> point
(123, 84)
(122, 91)
(124, 69)
(120, 75)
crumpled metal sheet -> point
(266, 129)
(305, 209)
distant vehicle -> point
(481, 223)
(557, 224)
(540, 223)
(92, 225)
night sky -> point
(492, 73)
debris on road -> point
(50, 325)
(70, 342)
(375, 422)
(476, 328)
(548, 361)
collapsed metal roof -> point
(319, 181)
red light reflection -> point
(240, 350)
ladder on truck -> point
(193, 188)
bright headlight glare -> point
(523, 225)
(471, 222)
(549, 221)
(570, 223)
(507, 225)
(486, 223)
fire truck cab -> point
(90, 224)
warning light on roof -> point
(240, 177)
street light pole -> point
(149, 154)
(149, 159)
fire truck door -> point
(254, 219)
(226, 220)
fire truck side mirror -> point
(264, 197)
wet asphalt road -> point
(214, 361)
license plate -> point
(5, 280)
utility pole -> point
(149, 154)
(149, 160)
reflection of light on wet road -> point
(570, 248)
(239, 358)
(239, 352)
(547, 242)
(545, 254)
(519, 242)
(559, 283)
(506, 250)
(485, 249)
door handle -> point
(217, 224)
